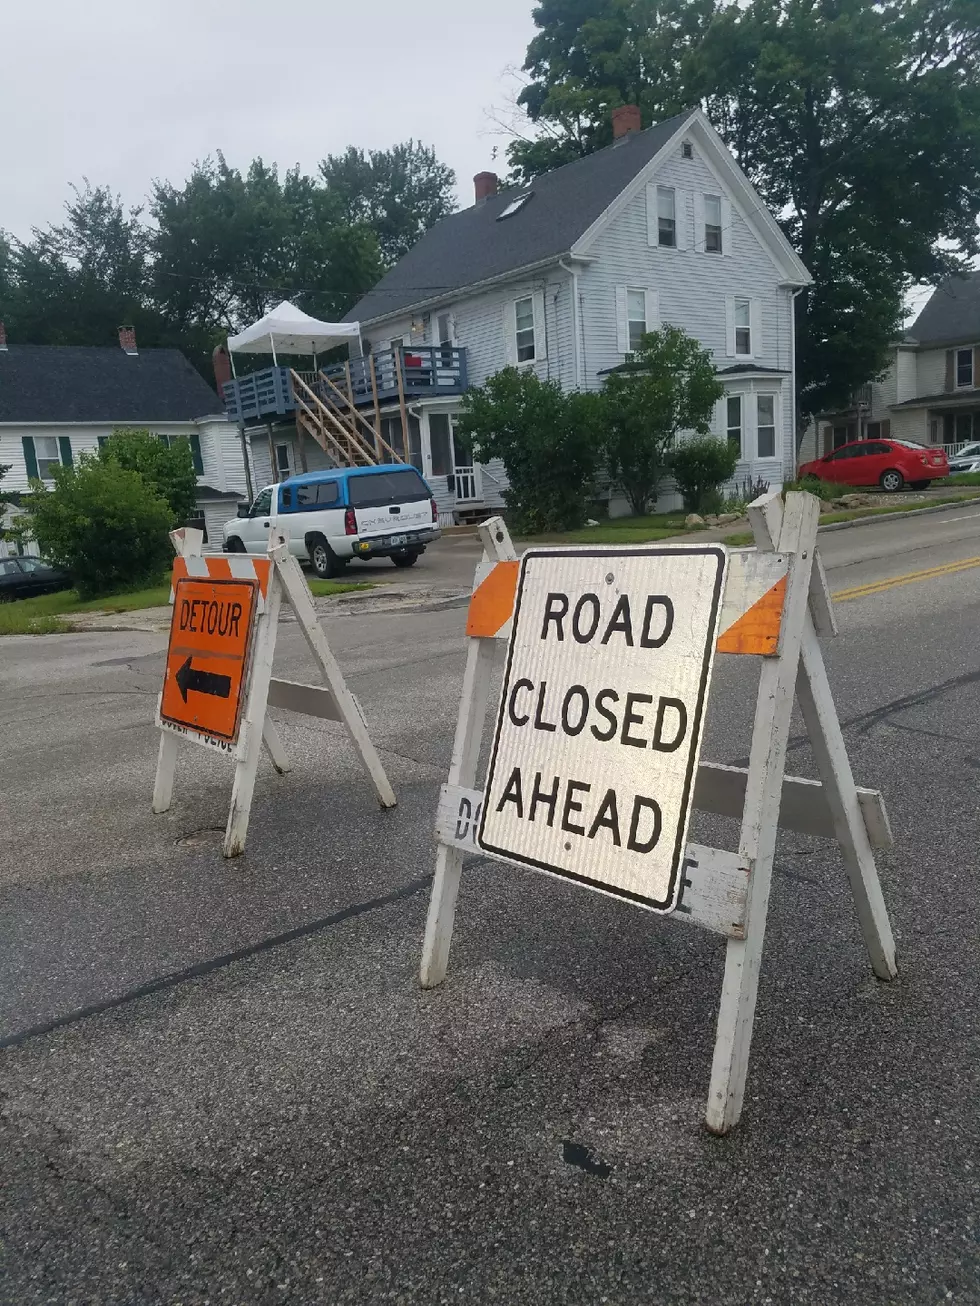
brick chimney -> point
(625, 119)
(127, 340)
(485, 184)
(221, 361)
(3, 337)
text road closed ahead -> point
(207, 659)
(596, 746)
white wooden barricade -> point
(775, 604)
(331, 701)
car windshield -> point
(969, 450)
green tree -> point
(166, 469)
(103, 525)
(700, 466)
(668, 386)
(76, 282)
(399, 193)
(549, 442)
(857, 120)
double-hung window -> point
(636, 317)
(524, 321)
(712, 224)
(48, 456)
(733, 428)
(666, 217)
(743, 326)
(765, 429)
(964, 368)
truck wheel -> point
(405, 559)
(234, 545)
(323, 560)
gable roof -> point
(89, 383)
(951, 313)
(472, 246)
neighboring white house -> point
(564, 275)
(931, 391)
(59, 401)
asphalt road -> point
(220, 1082)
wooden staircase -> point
(330, 417)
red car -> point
(888, 463)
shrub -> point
(167, 470)
(103, 525)
(822, 489)
(668, 386)
(550, 443)
(700, 466)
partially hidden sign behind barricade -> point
(598, 732)
(207, 657)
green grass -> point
(44, 615)
(739, 539)
(961, 478)
(323, 588)
(618, 530)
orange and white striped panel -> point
(751, 611)
(224, 566)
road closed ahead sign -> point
(207, 660)
(599, 728)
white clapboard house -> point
(562, 277)
(60, 401)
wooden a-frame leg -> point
(763, 795)
(481, 655)
(163, 786)
(255, 709)
(827, 742)
(477, 679)
(274, 746)
(288, 570)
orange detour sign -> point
(207, 659)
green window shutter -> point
(30, 458)
(164, 440)
(102, 439)
(64, 444)
(196, 454)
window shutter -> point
(950, 365)
(681, 214)
(101, 440)
(698, 222)
(510, 333)
(726, 225)
(755, 322)
(540, 333)
(652, 310)
(886, 428)
(64, 444)
(976, 367)
(196, 454)
(653, 226)
(730, 325)
(30, 458)
(622, 322)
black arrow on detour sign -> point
(202, 682)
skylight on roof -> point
(514, 205)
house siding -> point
(692, 289)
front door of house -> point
(467, 473)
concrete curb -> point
(896, 516)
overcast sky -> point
(123, 91)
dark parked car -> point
(23, 578)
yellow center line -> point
(876, 587)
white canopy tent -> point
(290, 330)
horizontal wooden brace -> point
(311, 700)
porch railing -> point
(413, 370)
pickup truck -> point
(333, 516)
